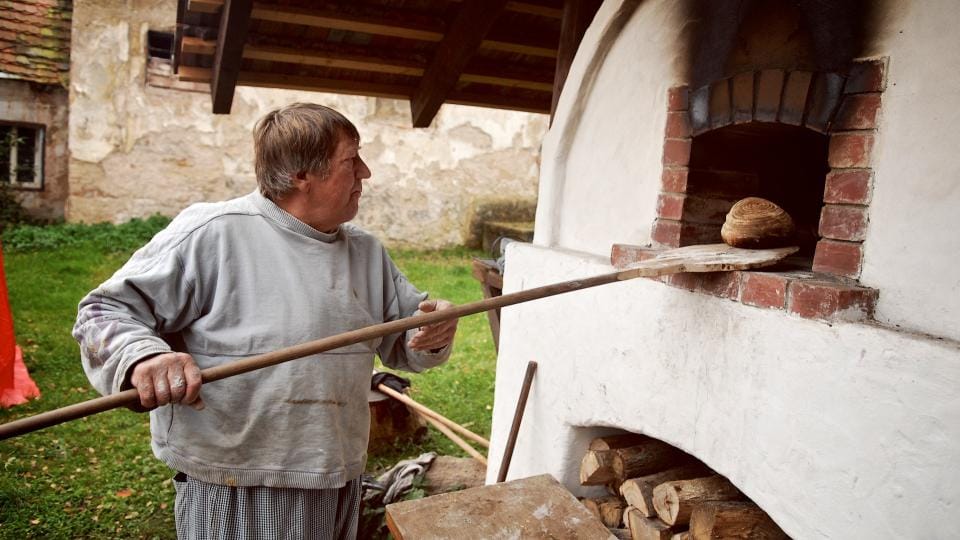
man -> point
(276, 452)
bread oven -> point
(825, 389)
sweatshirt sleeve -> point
(393, 350)
(123, 320)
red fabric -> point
(16, 386)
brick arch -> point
(845, 107)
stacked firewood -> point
(658, 492)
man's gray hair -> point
(297, 138)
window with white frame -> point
(21, 155)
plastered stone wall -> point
(137, 150)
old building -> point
(34, 67)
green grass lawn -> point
(97, 477)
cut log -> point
(611, 511)
(638, 492)
(733, 520)
(596, 468)
(608, 509)
(591, 505)
(685, 535)
(612, 442)
(674, 500)
(621, 534)
(613, 487)
(647, 458)
(644, 528)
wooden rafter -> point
(234, 23)
(474, 19)
(489, 74)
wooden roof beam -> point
(234, 23)
(462, 39)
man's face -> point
(335, 197)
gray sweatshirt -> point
(234, 279)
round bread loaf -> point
(757, 223)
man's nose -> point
(363, 172)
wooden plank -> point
(335, 60)
(195, 45)
(463, 38)
(234, 23)
(501, 101)
(577, 16)
(533, 8)
(205, 6)
(536, 507)
(296, 82)
(393, 23)
(519, 46)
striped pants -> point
(211, 511)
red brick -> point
(867, 76)
(676, 152)
(843, 222)
(678, 125)
(666, 232)
(706, 209)
(847, 186)
(850, 149)
(768, 95)
(670, 206)
(674, 180)
(824, 98)
(795, 97)
(624, 255)
(858, 111)
(743, 98)
(838, 258)
(684, 280)
(699, 233)
(720, 111)
(823, 299)
(763, 289)
(722, 284)
(677, 98)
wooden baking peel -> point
(704, 258)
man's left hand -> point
(435, 336)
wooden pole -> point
(454, 437)
(707, 258)
(517, 418)
(426, 411)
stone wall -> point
(137, 150)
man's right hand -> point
(168, 378)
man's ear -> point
(301, 182)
